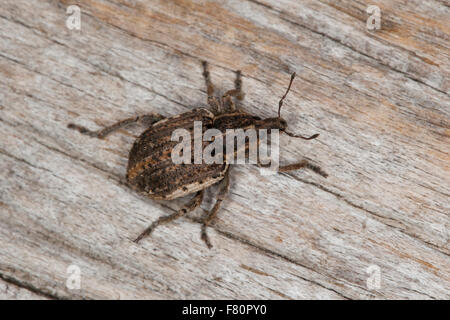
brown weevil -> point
(152, 172)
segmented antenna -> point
(280, 104)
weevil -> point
(152, 172)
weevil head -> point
(279, 122)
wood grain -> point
(10, 291)
(379, 99)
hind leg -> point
(147, 119)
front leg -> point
(297, 166)
(147, 119)
(303, 164)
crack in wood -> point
(29, 287)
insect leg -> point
(238, 86)
(191, 205)
(303, 164)
(296, 166)
(212, 101)
(209, 85)
(147, 119)
(220, 197)
(215, 105)
(228, 102)
(236, 92)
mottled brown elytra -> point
(152, 172)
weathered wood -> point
(379, 99)
(9, 290)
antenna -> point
(280, 104)
(303, 137)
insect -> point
(152, 172)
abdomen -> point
(150, 167)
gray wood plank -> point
(379, 100)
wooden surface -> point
(379, 99)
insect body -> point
(150, 166)
(152, 172)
